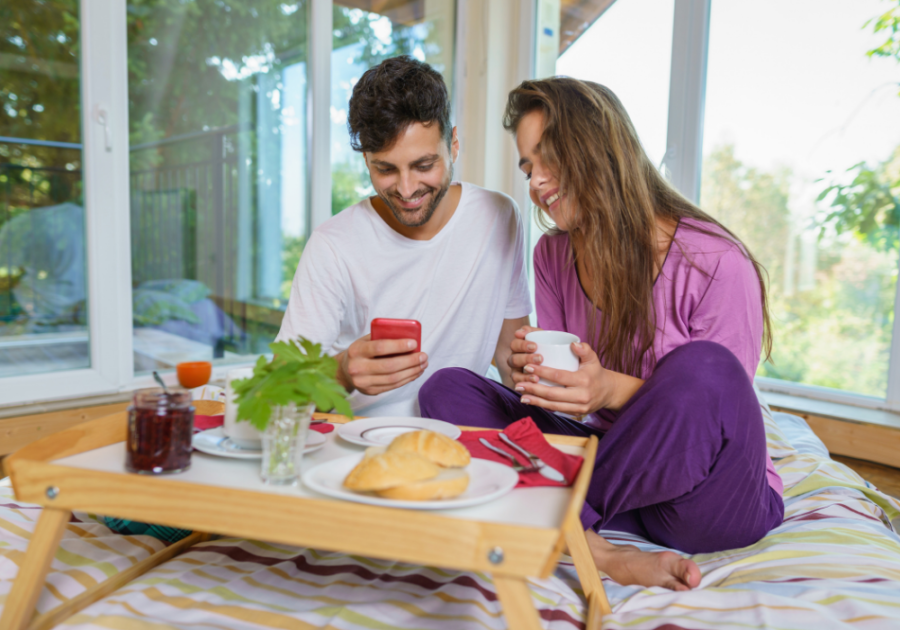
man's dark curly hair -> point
(393, 95)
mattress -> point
(833, 563)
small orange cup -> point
(194, 373)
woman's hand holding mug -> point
(577, 393)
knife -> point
(543, 468)
(516, 465)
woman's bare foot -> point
(626, 564)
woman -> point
(671, 310)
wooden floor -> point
(884, 478)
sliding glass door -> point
(158, 179)
(217, 130)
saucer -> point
(214, 442)
(382, 430)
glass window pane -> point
(366, 33)
(217, 95)
(629, 50)
(43, 292)
(794, 105)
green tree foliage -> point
(39, 93)
(751, 203)
(889, 24)
(869, 205)
(834, 330)
(291, 251)
(349, 184)
(186, 63)
(39, 100)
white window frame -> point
(105, 172)
(683, 159)
(479, 68)
(104, 82)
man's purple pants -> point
(684, 463)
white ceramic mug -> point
(556, 348)
(241, 433)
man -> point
(448, 254)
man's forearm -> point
(501, 359)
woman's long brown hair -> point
(615, 196)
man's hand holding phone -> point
(383, 360)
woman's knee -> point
(441, 382)
(703, 359)
(701, 370)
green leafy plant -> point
(298, 373)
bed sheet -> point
(89, 552)
(833, 563)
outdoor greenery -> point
(39, 99)
(198, 66)
(833, 271)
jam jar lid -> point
(155, 397)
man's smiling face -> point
(412, 175)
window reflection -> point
(218, 174)
(43, 293)
(365, 33)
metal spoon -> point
(159, 380)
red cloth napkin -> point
(525, 433)
(204, 423)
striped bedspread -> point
(834, 563)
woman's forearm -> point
(622, 388)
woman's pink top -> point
(707, 289)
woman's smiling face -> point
(543, 184)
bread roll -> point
(388, 470)
(372, 451)
(208, 407)
(450, 483)
(437, 447)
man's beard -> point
(422, 215)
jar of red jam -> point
(160, 426)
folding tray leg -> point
(518, 607)
(588, 575)
(102, 589)
(29, 584)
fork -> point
(516, 465)
(542, 467)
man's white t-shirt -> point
(460, 286)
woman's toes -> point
(685, 572)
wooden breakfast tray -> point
(82, 468)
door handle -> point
(101, 116)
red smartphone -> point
(385, 328)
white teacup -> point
(241, 433)
(556, 349)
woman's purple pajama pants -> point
(684, 463)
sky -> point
(788, 81)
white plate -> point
(381, 431)
(214, 442)
(487, 481)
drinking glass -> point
(283, 442)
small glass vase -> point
(283, 442)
